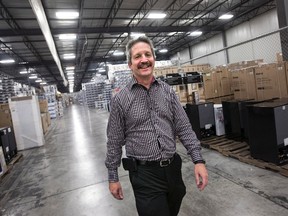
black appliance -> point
(233, 121)
(4, 142)
(192, 77)
(8, 143)
(174, 79)
(268, 133)
(201, 117)
(244, 116)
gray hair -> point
(133, 41)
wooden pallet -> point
(15, 159)
(241, 151)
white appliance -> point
(26, 118)
(219, 120)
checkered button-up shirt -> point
(147, 122)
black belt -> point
(161, 163)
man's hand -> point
(116, 190)
(201, 176)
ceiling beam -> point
(119, 30)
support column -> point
(282, 12)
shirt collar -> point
(134, 82)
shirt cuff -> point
(196, 157)
(113, 175)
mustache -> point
(142, 64)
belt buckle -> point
(164, 163)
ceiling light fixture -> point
(196, 33)
(156, 16)
(23, 72)
(67, 14)
(7, 61)
(67, 36)
(226, 16)
(69, 56)
(135, 34)
(33, 77)
(70, 68)
(118, 53)
(163, 50)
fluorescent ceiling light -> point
(69, 56)
(226, 16)
(135, 34)
(23, 63)
(67, 36)
(70, 73)
(23, 72)
(39, 80)
(33, 77)
(7, 61)
(70, 68)
(156, 15)
(196, 33)
(43, 83)
(118, 53)
(163, 50)
(67, 14)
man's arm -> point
(116, 137)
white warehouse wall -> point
(265, 48)
(209, 46)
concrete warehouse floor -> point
(67, 176)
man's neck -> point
(146, 82)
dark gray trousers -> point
(158, 190)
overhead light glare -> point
(226, 16)
(70, 68)
(67, 14)
(163, 50)
(196, 33)
(33, 77)
(38, 81)
(156, 15)
(135, 34)
(43, 83)
(23, 72)
(7, 61)
(69, 56)
(118, 53)
(67, 36)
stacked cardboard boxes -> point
(271, 81)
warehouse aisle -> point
(67, 177)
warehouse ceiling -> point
(31, 33)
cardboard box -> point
(243, 83)
(48, 118)
(43, 105)
(271, 81)
(210, 85)
(44, 122)
(279, 57)
(5, 118)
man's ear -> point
(129, 65)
